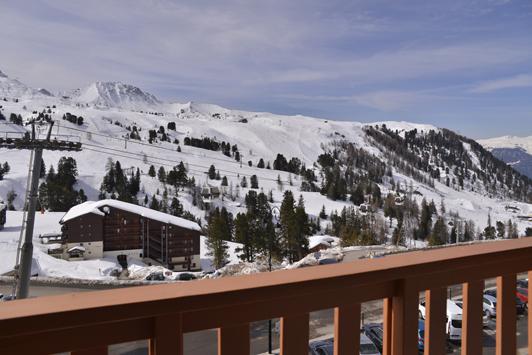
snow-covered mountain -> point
(115, 94)
(508, 142)
(12, 88)
(124, 123)
(516, 151)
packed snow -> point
(109, 108)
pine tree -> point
(323, 213)
(425, 222)
(212, 172)
(489, 231)
(154, 205)
(244, 182)
(260, 164)
(501, 229)
(254, 181)
(244, 237)
(224, 181)
(294, 226)
(216, 245)
(176, 209)
(439, 233)
(161, 175)
(151, 171)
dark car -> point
(186, 276)
(522, 283)
(155, 276)
(375, 333)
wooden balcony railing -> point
(86, 323)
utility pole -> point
(23, 270)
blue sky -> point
(464, 65)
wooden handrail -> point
(59, 323)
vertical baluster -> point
(387, 326)
(435, 313)
(168, 335)
(294, 335)
(529, 318)
(405, 319)
(506, 315)
(472, 323)
(233, 340)
(347, 329)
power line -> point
(175, 162)
(133, 141)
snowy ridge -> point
(508, 142)
(116, 94)
(14, 89)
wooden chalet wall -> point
(167, 241)
(85, 228)
(122, 230)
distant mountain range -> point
(515, 151)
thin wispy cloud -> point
(517, 81)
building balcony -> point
(87, 323)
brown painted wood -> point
(405, 319)
(347, 329)
(529, 318)
(435, 312)
(105, 314)
(472, 323)
(505, 336)
(387, 320)
(294, 335)
(168, 335)
(234, 340)
(101, 350)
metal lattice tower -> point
(37, 146)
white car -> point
(490, 306)
(454, 319)
(485, 318)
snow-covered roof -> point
(94, 207)
(76, 248)
(316, 240)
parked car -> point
(485, 318)
(375, 333)
(520, 306)
(522, 283)
(522, 293)
(326, 346)
(322, 347)
(186, 276)
(155, 276)
(5, 298)
(454, 319)
(489, 305)
(421, 336)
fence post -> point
(506, 315)
(405, 318)
(294, 334)
(472, 323)
(347, 329)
